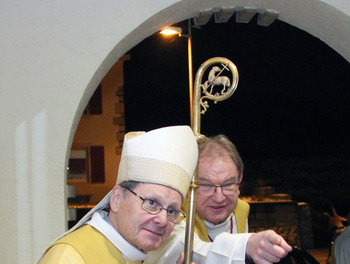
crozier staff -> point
(153, 178)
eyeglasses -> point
(153, 207)
(209, 189)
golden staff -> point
(228, 87)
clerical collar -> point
(216, 229)
(101, 222)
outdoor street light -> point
(178, 31)
(169, 31)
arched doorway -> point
(62, 52)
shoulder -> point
(62, 254)
(343, 240)
(243, 204)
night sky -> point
(288, 117)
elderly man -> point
(220, 172)
(221, 215)
(153, 178)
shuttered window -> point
(97, 164)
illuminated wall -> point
(53, 56)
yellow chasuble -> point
(241, 214)
(92, 246)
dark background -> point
(288, 117)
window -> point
(78, 165)
(97, 164)
(86, 164)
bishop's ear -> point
(117, 194)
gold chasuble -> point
(92, 246)
(241, 214)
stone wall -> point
(289, 219)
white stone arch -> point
(53, 55)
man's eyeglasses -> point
(153, 207)
(209, 189)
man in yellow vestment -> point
(142, 209)
(221, 220)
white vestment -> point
(226, 248)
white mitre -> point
(166, 156)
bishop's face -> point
(140, 228)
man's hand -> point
(181, 259)
(267, 247)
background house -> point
(99, 135)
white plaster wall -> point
(52, 55)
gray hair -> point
(221, 145)
(130, 185)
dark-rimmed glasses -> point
(153, 207)
(209, 189)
